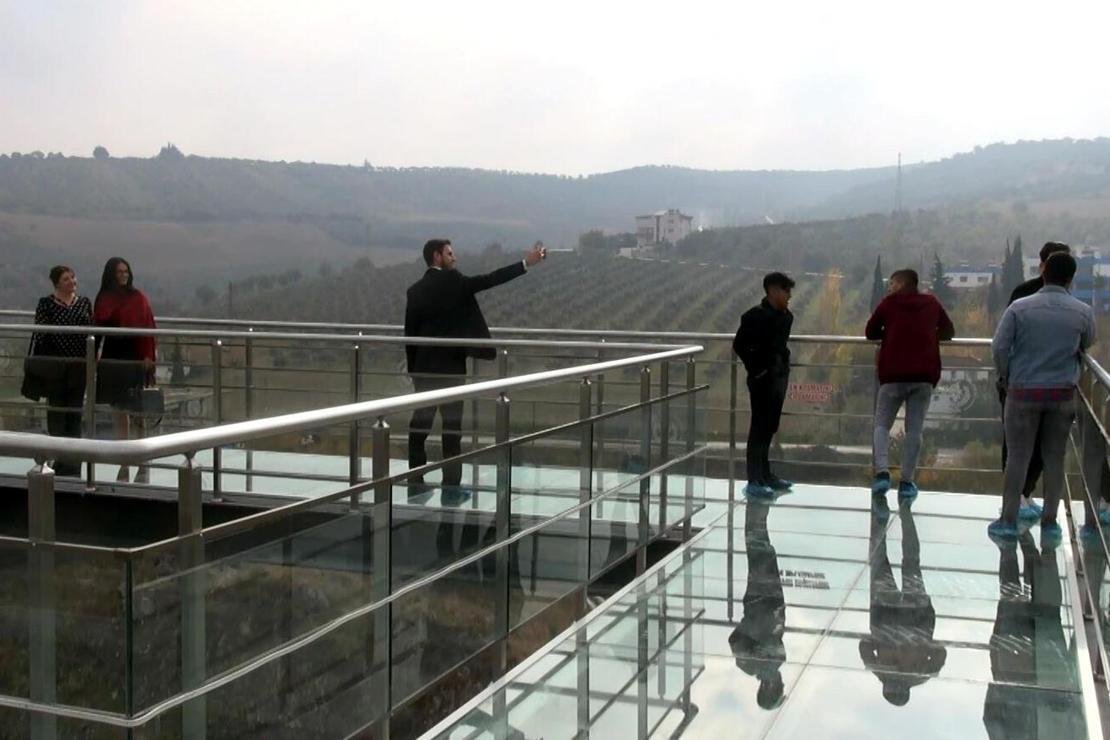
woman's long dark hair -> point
(108, 283)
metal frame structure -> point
(377, 513)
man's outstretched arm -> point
(478, 283)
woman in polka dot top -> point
(66, 395)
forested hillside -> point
(191, 225)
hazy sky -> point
(567, 87)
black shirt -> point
(1026, 289)
(761, 340)
(49, 311)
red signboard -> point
(810, 392)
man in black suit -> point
(443, 304)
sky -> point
(570, 87)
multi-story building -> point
(1092, 279)
(663, 227)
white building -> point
(669, 226)
(969, 277)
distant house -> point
(663, 227)
(966, 276)
(1092, 280)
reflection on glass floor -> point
(817, 616)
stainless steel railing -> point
(375, 610)
(360, 372)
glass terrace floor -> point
(817, 615)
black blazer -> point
(442, 304)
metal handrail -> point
(682, 336)
(40, 446)
(383, 339)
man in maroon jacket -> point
(910, 324)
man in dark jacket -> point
(909, 324)
(443, 304)
(1029, 508)
(760, 344)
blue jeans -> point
(916, 397)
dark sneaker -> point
(780, 485)
(881, 484)
(420, 492)
(1051, 534)
(455, 495)
(1030, 511)
(907, 490)
(1000, 530)
(756, 489)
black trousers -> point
(65, 400)
(420, 426)
(768, 393)
(1036, 462)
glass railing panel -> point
(16, 613)
(252, 591)
(91, 623)
(546, 566)
(620, 442)
(442, 632)
(435, 524)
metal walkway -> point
(820, 615)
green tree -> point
(995, 302)
(101, 153)
(941, 289)
(878, 285)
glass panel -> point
(91, 628)
(440, 627)
(14, 610)
(307, 568)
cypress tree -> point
(941, 289)
(878, 286)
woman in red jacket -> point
(126, 362)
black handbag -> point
(40, 372)
(149, 402)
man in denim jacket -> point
(1037, 350)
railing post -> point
(599, 433)
(90, 407)
(645, 462)
(585, 478)
(502, 523)
(354, 459)
(190, 522)
(217, 415)
(474, 410)
(691, 431)
(733, 378)
(248, 403)
(42, 650)
(381, 571)
(664, 440)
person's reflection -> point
(1028, 647)
(1007, 710)
(757, 641)
(900, 650)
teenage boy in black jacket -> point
(761, 345)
